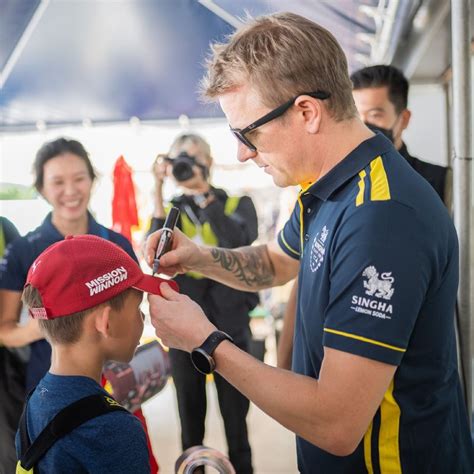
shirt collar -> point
(355, 161)
(93, 226)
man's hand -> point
(179, 322)
(183, 256)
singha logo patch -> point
(379, 287)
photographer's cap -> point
(84, 271)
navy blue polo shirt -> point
(378, 278)
(14, 266)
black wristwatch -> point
(201, 356)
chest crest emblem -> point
(318, 249)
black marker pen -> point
(166, 237)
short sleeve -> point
(10, 231)
(379, 277)
(13, 268)
(289, 238)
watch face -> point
(202, 361)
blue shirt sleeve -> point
(379, 277)
(289, 238)
(13, 266)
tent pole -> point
(22, 42)
(221, 13)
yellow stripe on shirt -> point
(389, 449)
(287, 245)
(368, 449)
(380, 189)
(364, 339)
(360, 194)
(300, 202)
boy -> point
(86, 293)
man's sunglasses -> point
(273, 114)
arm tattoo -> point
(251, 265)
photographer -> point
(208, 216)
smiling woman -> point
(64, 177)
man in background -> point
(381, 97)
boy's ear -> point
(102, 320)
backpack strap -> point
(63, 423)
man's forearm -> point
(246, 268)
(300, 409)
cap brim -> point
(151, 284)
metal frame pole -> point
(462, 164)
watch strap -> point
(213, 340)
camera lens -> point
(183, 167)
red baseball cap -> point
(84, 271)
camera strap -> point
(197, 223)
(65, 421)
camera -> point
(182, 167)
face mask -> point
(387, 132)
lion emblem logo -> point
(379, 287)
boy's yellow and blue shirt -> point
(378, 278)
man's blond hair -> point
(281, 56)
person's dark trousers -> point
(192, 404)
(12, 397)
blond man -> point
(375, 386)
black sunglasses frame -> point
(239, 133)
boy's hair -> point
(384, 76)
(68, 329)
(282, 55)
